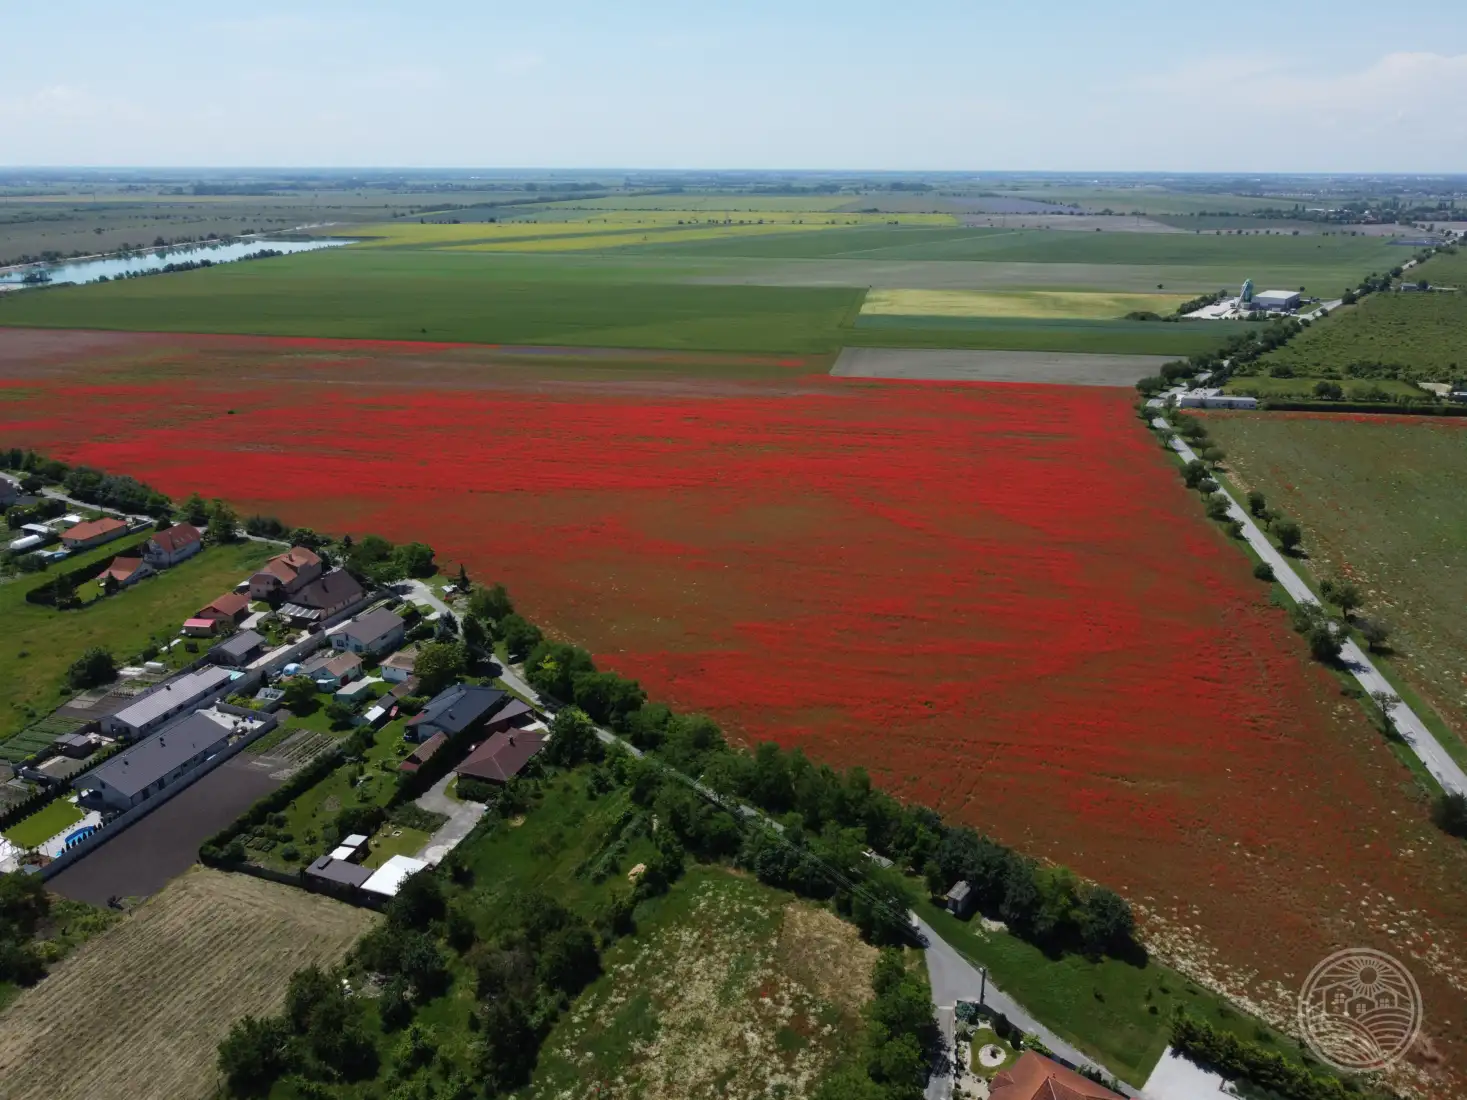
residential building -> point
(503, 756)
(93, 533)
(1035, 1077)
(423, 753)
(332, 671)
(168, 699)
(285, 573)
(206, 628)
(455, 710)
(183, 540)
(323, 598)
(399, 666)
(154, 763)
(515, 713)
(356, 691)
(373, 633)
(126, 571)
(238, 651)
(234, 606)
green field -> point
(39, 642)
(45, 823)
(1356, 389)
(1034, 334)
(1382, 500)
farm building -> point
(399, 666)
(285, 573)
(503, 756)
(1277, 301)
(238, 651)
(375, 632)
(93, 533)
(153, 763)
(1035, 1077)
(166, 700)
(1214, 399)
(455, 710)
(423, 753)
(172, 546)
(323, 598)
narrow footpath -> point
(1407, 722)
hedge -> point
(1379, 407)
(1236, 1058)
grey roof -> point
(181, 690)
(373, 626)
(455, 709)
(240, 646)
(332, 590)
(155, 756)
(339, 870)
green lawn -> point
(395, 840)
(38, 642)
(1303, 388)
(45, 823)
(1381, 498)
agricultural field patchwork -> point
(1087, 305)
(997, 598)
(150, 999)
(1380, 500)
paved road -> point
(419, 591)
(1406, 721)
(955, 979)
(462, 817)
(1314, 313)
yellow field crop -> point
(1056, 304)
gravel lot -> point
(1056, 368)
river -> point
(89, 271)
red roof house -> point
(232, 605)
(423, 753)
(183, 540)
(1034, 1077)
(93, 533)
(503, 756)
(286, 573)
(126, 571)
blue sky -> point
(944, 84)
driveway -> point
(1407, 722)
(462, 817)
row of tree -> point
(1255, 1065)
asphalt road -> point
(1406, 721)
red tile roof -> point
(177, 537)
(84, 532)
(285, 566)
(423, 753)
(1034, 1077)
(123, 568)
(502, 756)
(227, 606)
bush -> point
(1263, 571)
(92, 669)
(1449, 813)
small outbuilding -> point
(961, 900)
(387, 880)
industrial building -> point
(166, 700)
(1277, 301)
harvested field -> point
(144, 1005)
(1052, 368)
(140, 860)
(999, 599)
(727, 993)
(1093, 305)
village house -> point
(323, 598)
(233, 606)
(399, 666)
(154, 763)
(454, 710)
(503, 756)
(239, 650)
(172, 697)
(423, 753)
(172, 546)
(373, 633)
(285, 573)
(332, 671)
(125, 571)
(1035, 1077)
(93, 533)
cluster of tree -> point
(93, 668)
(1324, 636)
(115, 491)
(1255, 1065)
(493, 617)
(24, 904)
(1201, 302)
(43, 509)
(178, 266)
(1449, 813)
(214, 517)
(48, 470)
(321, 1035)
(1048, 906)
(373, 558)
(901, 1037)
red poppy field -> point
(997, 598)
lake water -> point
(89, 271)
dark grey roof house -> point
(375, 632)
(454, 710)
(153, 763)
(238, 650)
